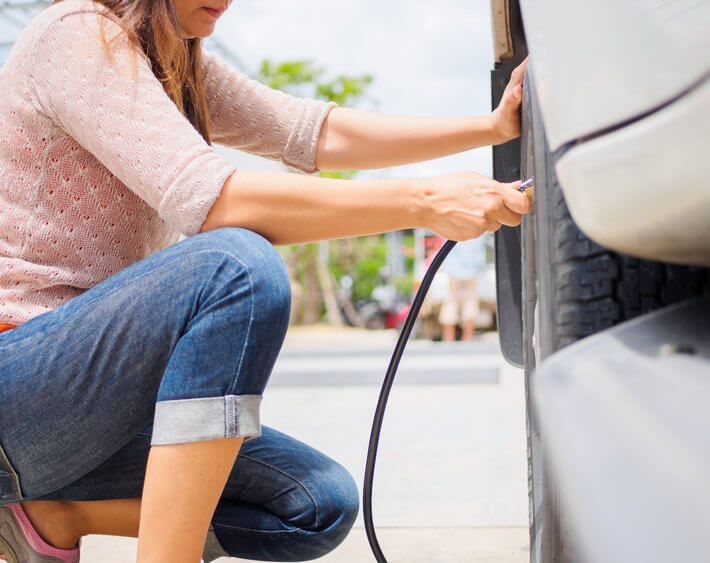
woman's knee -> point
(255, 258)
(337, 503)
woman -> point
(133, 365)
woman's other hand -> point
(505, 119)
(464, 205)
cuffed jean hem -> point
(213, 549)
(206, 418)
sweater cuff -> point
(300, 149)
(187, 203)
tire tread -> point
(597, 288)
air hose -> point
(384, 395)
(526, 188)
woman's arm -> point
(250, 116)
(356, 139)
(296, 208)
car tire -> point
(572, 288)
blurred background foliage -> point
(318, 267)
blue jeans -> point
(176, 348)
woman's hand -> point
(505, 119)
(464, 205)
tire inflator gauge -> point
(527, 188)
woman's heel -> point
(21, 543)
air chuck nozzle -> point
(528, 188)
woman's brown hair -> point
(175, 61)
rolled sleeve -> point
(302, 144)
(189, 199)
(250, 116)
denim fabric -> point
(178, 347)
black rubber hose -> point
(384, 395)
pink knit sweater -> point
(98, 168)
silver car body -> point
(624, 89)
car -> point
(603, 290)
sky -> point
(428, 58)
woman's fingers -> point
(495, 212)
(516, 81)
(516, 77)
(499, 212)
(479, 225)
(514, 200)
(465, 204)
(493, 226)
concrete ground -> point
(450, 484)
